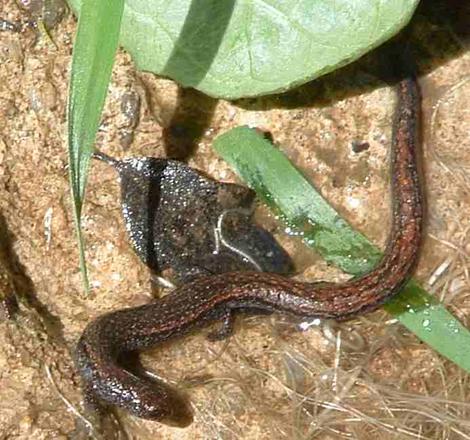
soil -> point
(359, 379)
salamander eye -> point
(168, 407)
(181, 416)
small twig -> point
(69, 404)
(220, 239)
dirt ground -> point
(361, 379)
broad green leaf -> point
(280, 185)
(236, 48)
(93, 57)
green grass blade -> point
(280, 185)
(93, 58)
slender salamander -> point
(107, 339)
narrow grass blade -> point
(282, 187)
(93, 57)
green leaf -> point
(235, 48)
(293, 198)
(93, 57)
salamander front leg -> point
(225, 329)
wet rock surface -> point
(186, 224)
